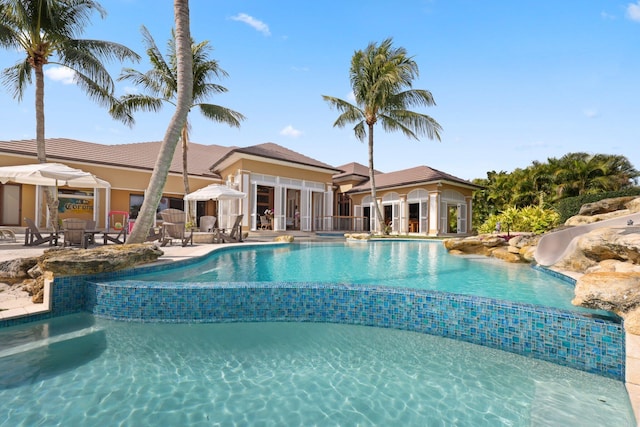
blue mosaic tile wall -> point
(567, 338)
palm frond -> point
(221, 114)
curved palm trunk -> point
(185, 146)
(184, 99)
(372, 178)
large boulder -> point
(477, 245)
(612, 291)
(605, 205)
(590, 249)
(71, 262)
(622, 244)
(590, 219)
(16, 270)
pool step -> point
(22, 348)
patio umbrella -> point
(215, 192)
(52, 175)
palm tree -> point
(381, 78)
(161, 84)
(184, 99)
(46, 31)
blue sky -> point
(514, 81)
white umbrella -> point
(216, 192)
(50, 174)
(53, 175)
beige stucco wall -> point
(124, 182)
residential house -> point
(301, 192)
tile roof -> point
(353, 169)
(140, 155)
(276, 152)
(411, 176)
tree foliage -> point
(547, 185)
(381, 79)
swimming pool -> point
(573, 338)
(399, 263)
(83, 370)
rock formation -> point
(70, 262)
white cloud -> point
(131, 90)
(290, 131)
(253, 22)
(633, 11)
(591, 112)
(351, 97)
(61, 74)
(607, 16)
(300, 69)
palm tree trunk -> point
(178, 121)
(185, 167)
(372, 179)
(50, 199)
(40, 146)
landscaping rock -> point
(615, 291)
(71, 262)
(605, 205)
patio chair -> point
(7, 235)
(33, 236)
(117, 227)
(235, 234)
(74, 232)
(208, 223)
(174, 227)
(265, 223)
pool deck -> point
(19, 303)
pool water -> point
(412, 264)
(80, 370)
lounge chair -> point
(174, 227)
(117, 227)
(208, 223)
(33, 236)
(235, 234)
(74, 232)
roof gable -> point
(270, 150)
(411, 176)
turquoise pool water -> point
(412, 264)
(79, 370)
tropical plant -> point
(530, 219)
(381, 79)
(160, 82)
(46, 31)
(184, 100)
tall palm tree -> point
(381, 78)
(160, 82)
(184, 99)
(47, 30)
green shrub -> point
(530, 219)
(570, 206)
